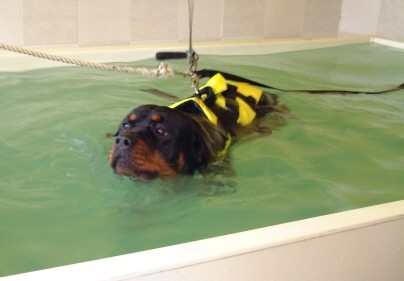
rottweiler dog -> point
(163, 141)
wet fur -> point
(159, 142)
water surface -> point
(60, 203)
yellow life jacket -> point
(202, 106)
(219, 85)
(209, 115)
(246, 114)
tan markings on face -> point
(124, 171)
(181, 161)
(132, 117)
(150, 160)
(156, 118)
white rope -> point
(161, 71)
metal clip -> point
(195, 83)
(192, 62)
(161, 70)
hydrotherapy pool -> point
(61, 204)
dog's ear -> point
(191, 155)
(197, 155)
(199, 150)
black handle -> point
(171, 55)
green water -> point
(60, 203)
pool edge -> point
(13, 62)
(189, 259)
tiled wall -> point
(107, 22)
(368, 20)
(391, 20)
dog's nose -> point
(122, 142)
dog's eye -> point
(125, 125)
(161, 131)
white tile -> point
(49, 21)
(103, 21)
(359, 16)
(284, 18)
(10, 22)
(244, 18)
(391, 20)
(322, 17)
(153, 20)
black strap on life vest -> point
(208, 73)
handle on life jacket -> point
(171, 55)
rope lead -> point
(162, 70)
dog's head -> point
(157, 141)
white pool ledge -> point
(363, 244)
(14, 62)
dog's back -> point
(229, 104)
